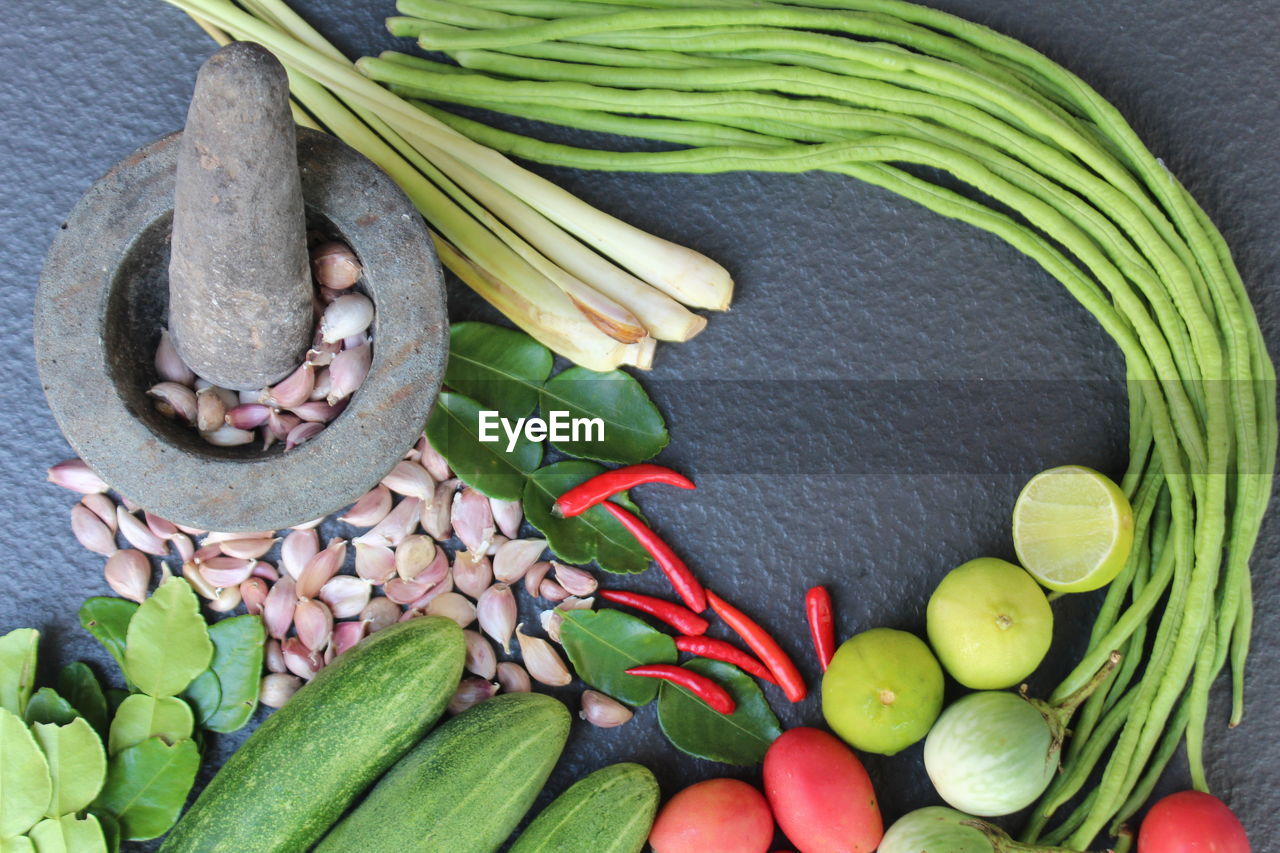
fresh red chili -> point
(710, 647)
(601, 487)
(765, 647)
(682, 580)
(682, 619)
(699, 685)
(822, 624)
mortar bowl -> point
(103, 299)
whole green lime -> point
(882, 691)
(990, 624)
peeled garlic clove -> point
(226, 600)
(375, 563)
(293, 390)
(534, 576)
(247, 416)
(411, 480)
(103, 507)
(398, 524)
(77, 476)
(314, 623)
(472, 574)
(453, 606)
(246, 549)
(174, 401)
(473, 520)
(139, 535)
(435, 464)
(346, 635)
(348, 372)
(552, 591)
(414, 554)
(278, 688)
(603, 711)
(169, 365)
(481, 659)
(471, 692)
(542, 660)
(297, 550)
(211, 410)
(379, 613)
(228, 436)
(402, 591)
(515, 557)
(551, 621)
(91, 532)
(334, 265)
(574, 580)
(346, 595)
(273, 657)
(346, 316)
(436, 513)
(513, 678)
(253, 592)
(223, 572)
(496, 611)
(372, 507)
(128, 573)
(320, 568)
(302, 433)
(301, 661)
(507, 515)
(277, 610)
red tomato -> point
(721, 815)
(821, 794)
(1191, 822)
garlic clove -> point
(453, 606)
(552, 591)
(348, 372)
(574, 580)
(481, 659)
(211, 410)
(266, 571)
(411, 480)
(513, 677)
(318, 411)
(375, 563)
(293, 390)
(320, 568)
(603, 711)
(346, 595)
(542, 660)
(302, 433)
(228, 436)
(437, 513)
(169, 365)
(77, 476)
(472, 575)
(301, 661)
(515, 557)
(136, 532)
(507, 515)
(334, 265)
(324, 382)
(247, 416)
(247, 549)
(223, 572)
(174, 401)
(277, 609)
(551, 621)
(226, 600)
(398, 524)
(103, 507)
(473, 520)
(183, 547)
(161, 527)
(573, 602)
(277, 688)
(414, 554)
(346, 316)
(402, 591)
(435, 464)
(273, 657)
(297, 550)
(191, 572)
(253, 592)
(372, 507)
(496, 611)
(534, 576)
(379, 613)
(495, 543)
(314, 623)
(128, 573)
(346, 635)
(471, 692)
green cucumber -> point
(610, 811)
(302, 768)
(464, 788)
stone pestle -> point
(240, 293)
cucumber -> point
(296, 775)
(610, 811)
(464, 788)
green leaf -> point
(633, 427)
(205, 693)
(454, 430)
(110, 829)
(18, 650)
(147, 785)
(500, 368)
(168, 641)
(69, 834)
(107, 619)
(237, 663)
(17, 844)
(603, 644)
(594, 535)
(25, 785)
(77, 764)
(115, 698)
(48, 707)
(692, 726)
(141, 717)
(80, 687)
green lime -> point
(882, 691)
(1072, 528)
(990, 624)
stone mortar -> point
(103, 298)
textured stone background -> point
(812, 467)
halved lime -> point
(1072, 528)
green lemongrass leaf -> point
(454, 430)
(107, 619)
(18, 650)
(147, 785)
(594, 535)
(168, 643)
(633, 427)
(693, 727)
(46, 706)
(500, 368)
(69, 834)
(237, 665)
(79, 686)
(204, 693)
(17, 844)
(25, 784)
(603, 644)
(77, 764)
(141, 717)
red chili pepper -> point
(682, 580)
(699, 685)
(765, 647)
(682, 619)
(710, 647)
(601, 487)
(822, 624)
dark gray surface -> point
(837, 281)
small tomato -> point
(821, 794)
(1191, 822)
(723, 815)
